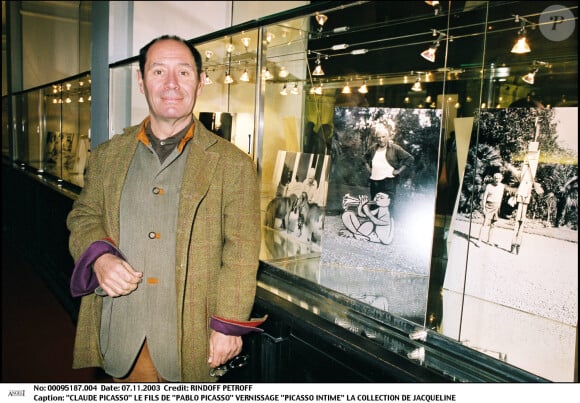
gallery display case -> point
(429, 281)
(52, 130)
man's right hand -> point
(116, 276)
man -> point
(166, 232)
(385, 162)
(491, 203)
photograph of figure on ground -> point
(378, 230)
(513, 243)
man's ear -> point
(201, 83)
(140, 81)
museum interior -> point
(469, 89)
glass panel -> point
(228, 101)
(315, 169)
(66, 134)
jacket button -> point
(156, 190)
(153, 235)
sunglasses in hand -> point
(236, 362)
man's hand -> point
(116, 276)
(223, 348)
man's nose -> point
(171, 81)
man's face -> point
(170, 82)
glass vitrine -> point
(466, 104)
(52, 135)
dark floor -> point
(37, 332)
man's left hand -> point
(223, 348)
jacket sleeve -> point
(236, 286)
(83, 280)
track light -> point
(294, 90)
(230, 47)
(417, 86)
(268, 75)
(530, 78)
(207, 80)
(320, 19)
(228, 79)
(436, 6)
(245, 77)
(284, 91)
(318, 69)
(429, 54)
(246, 42)
(521, 46)
(363, 88)
(346, 89)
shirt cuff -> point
(236, 328)
(83, 280)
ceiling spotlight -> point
(429, 54)
(284, 91)
(521, 46)
(363, 88)
(318, 69)
(436, 6)
(283, 73)
(207, 80)
(268, 75)
(269, 37)
(417, 86)
(246, 42)
(346, 89)
(208, 54)
(245, 77)
(530, 77)
(294, 90)
(230, 47)
(228, 79)
(320, 19)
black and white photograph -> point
(294, 217)
(517, 220)
(380, 210)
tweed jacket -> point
(217, 240)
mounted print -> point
(294, 217)
(513, 250)
(381, 206)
